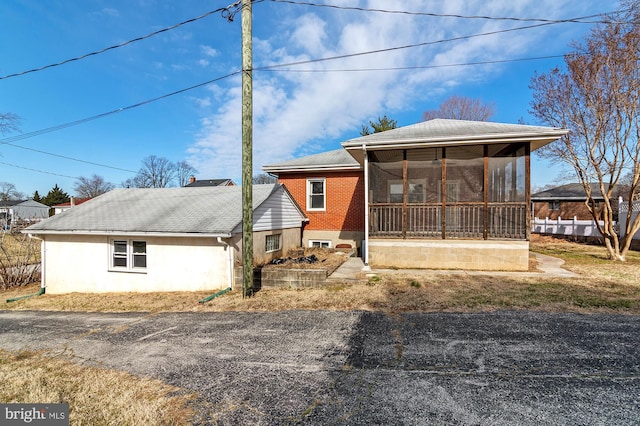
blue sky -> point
(299, 110)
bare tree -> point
(155, 172)
(184, 171)
(92, 187)
(461, 108)
(597, 99)
(8, 191)
(263, 178)
(9, 122)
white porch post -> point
(366, 208)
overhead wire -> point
(224, 11)
(391, 49)
(7, 140)
(416, 67)
(450, 15)
(38, 171)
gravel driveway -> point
(363, 368)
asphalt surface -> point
(362, 368)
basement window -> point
(272, 243)
(320, 243)
(128, 255)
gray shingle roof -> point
(213, 210)
(210, 182)
(338, 159)
(569, 192)
(440, 132)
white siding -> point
(276, 212)
(81, 264)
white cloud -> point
(209, 51)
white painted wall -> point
(81, 264)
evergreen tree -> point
(36, 196)
(55, 196)
(384, 123)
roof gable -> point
(211, 211)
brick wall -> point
(344, 199)
(567, 210)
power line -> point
(38, 171)
(417, 67)
(224, 11)
(390, 49)
(447, 15)
(105, 114)
(70, 158)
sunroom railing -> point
(462, 220)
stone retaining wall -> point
(283, 278)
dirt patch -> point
(310, 258)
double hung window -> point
(128, 255)
(316, 194)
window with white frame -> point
(128, 255)
(320, 243)
(316, 194)
(415, 189)
(272, 243)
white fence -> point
(623, 209)
(571, 227)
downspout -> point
(366, 208)
(227, 248)
(42, 274)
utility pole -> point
(247, 157)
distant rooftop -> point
(193, 182)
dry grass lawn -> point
(603, 286)
(95, 396)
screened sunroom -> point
(449, 194)
(471, 191)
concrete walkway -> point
(354, 270)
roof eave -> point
(538, 139)
(315, 168)
(127, 233)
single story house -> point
(445, 194)
(22, 210)
(565, 201)
(162, 239)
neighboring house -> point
(12, 211)
(446, 194)
(59, 208)
(193, 182)
(566, 201)
(162, 239)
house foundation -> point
(450, 254)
